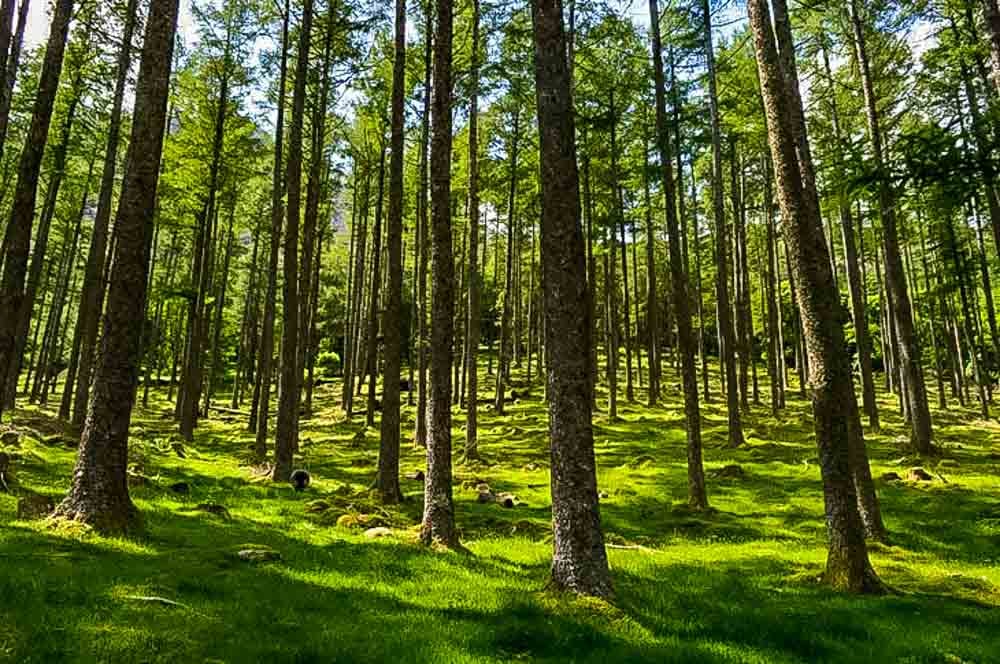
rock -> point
(890, 477)
(531, 467)
(507, 500)
(214, 508)
(178, 449)
(181, 487)
(10, 439)
(603, 495)
(348, 521)
(483, 487)
(486, 496)
(258, 555)
(918, 475)
(34, 506)
(416, 476)
(300, 479)
(731, 471)
(378, 532)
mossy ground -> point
(736, 584)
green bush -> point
(328, 363)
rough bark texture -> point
(579, 562)
(99, 492)
(388, 458)
(822, 318)
(438, 526)
(286, 428)
(18, 234)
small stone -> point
(258, 555)
(300, 479)
(507, 500)
(603, 495)
(181, 487)
(890, 477)
(348, 521)
(483, 487)
(416, 476)
(378, 532)
(34, 506)
(918, 475)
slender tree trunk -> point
(472, 324)
(623, 249)
(727, 334)
(99, 491)
(420, 433)
(503, 353)
(9, 64)
(371, 362)
(388, 458)
(652, 313)
(697, 495)
(259, 416)
(286, 428)
(909, 347)
(22, 215)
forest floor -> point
(736, 584)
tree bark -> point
(438, 526)
(286, 428)
(99, 491)
(472, 323)
(18, 234)
(388, 458)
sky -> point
(37, 30)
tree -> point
(834, 401)
(579, 562)
(388, 463)
(18, 235)
(99, 492)
(438, 525)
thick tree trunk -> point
(18, 234)
(579, 562)
(438, 526)
(286, 428)
(99, 491)
(388, 458)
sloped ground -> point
(737, 584)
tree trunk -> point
(286, 428)
(262, 390)
(909, 348)
(388, 458)
(22, 215)
(99, 491)
(697, 495)
(848, 567)
(371, 355)
(420, 433)
(438, 526)
(10, 64)
(727, 334)
(472, 323)
(503, 353)
(579, 562)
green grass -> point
(738, 584)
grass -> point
(737, 584)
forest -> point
(493, 331)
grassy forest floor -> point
(737, 584)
